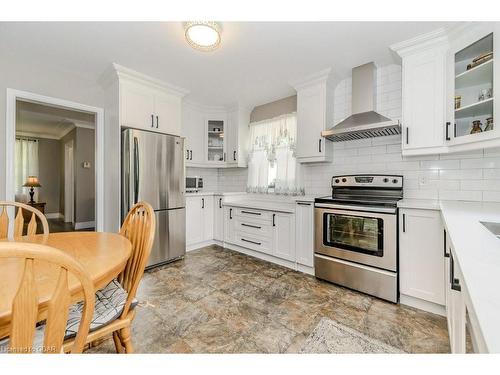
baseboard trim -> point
(422, 304)
(199, 245)
(84, 225)
(54, 215)
(305, 269)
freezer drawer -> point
(379, 283)
(170, 237)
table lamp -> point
(32, 182)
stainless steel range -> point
(356, 240)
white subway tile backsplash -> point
(480, 163)
(440, 164)
(491, 196)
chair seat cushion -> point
(109, 304)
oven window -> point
(354, 233)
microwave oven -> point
(194, 183)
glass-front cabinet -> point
(216, 149)
(471, 87)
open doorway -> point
(54, 164)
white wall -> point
(32, 76)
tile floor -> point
(220, 301)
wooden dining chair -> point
(119, 295)
(19, 220)
(25, 315)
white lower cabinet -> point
(304, 233)
(455, 305)
(229, 225)
(218, 218)
(199, 219)
(421, 261)
(283, 235)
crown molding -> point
(421, 42)
(121, 72)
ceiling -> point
(254, 65)
(39, 120)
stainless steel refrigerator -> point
(153, 171)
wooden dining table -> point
(102, 255)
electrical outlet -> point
(422, 181)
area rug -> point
(332, 337)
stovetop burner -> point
(365, 190)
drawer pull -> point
(251, 213)
(255, 243)
(304, 204)
(251, 226)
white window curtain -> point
(272, 166)
(26, 164)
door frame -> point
(10, 138)
(69, 183)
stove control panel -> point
(374, 181)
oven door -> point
(369, 238)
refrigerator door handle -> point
(136, 170)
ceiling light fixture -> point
(203, 35)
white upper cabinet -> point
(148, 104)
(167, 113)
(136, 106)
(423, 98)
(215, 137)
(423, 93)
(314, 114)
(448, 90)
(471, 105)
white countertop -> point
(424, 204)
(478, 254)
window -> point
(26, 163)
(272, 166)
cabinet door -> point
(194, 221)
(457, 310)
(229, 225)
(218, 218)
(167, 113)
(424, 99)
(207, 208)
(304, 233)
(283, 235)
(136, 106)
(231, 137)
(421, 255)
(193, 129)
(310, 123)
(216, 140)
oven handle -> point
(357, 208)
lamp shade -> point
(32, 181)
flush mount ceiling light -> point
(202, 35)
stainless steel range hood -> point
(364, 122)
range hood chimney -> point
(364, 121)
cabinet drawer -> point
(257, 215)
(254, 227)
(253, 242)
